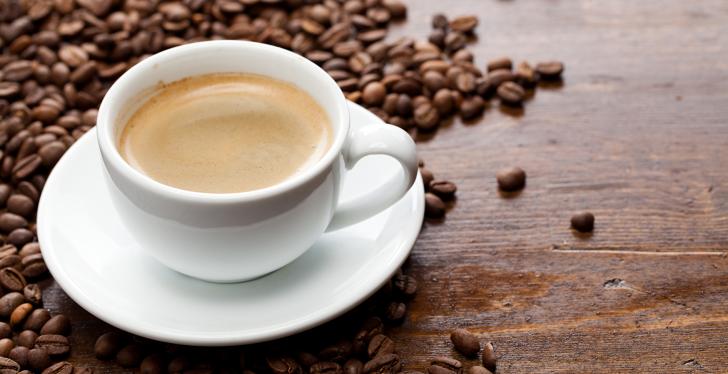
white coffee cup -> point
(240, 236)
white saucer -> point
(97, 263)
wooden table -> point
(637, 134)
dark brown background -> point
(638, 134)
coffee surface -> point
(225, 133)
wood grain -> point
(637, 134)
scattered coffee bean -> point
(57, 325)
(306, 359)
(283, 365)
(499, 63)
(178, 364)
(21, 205)
(464, 24)
(434, 206)
(353, 366)
(12, 280)
(395, 311)
(472, 107)
(20, 314)
(450, 364)
(583, 222)
(37, 319)
(38, 359)
(465, 342)
(8, 364)
(379, 345)
(511, 93)
(6, 345)
(55, 345)
(374, 93)
(489, 360)
(511, 179)
(337, 351)
(550, 70)
(371, 327)
(62, 367)
(20, 355)
(445, 190)
(33, 294)
(5, 331)
(325, 367)
(108, 345)
(27, 338)
(383, 364)
(129, 356)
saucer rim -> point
(317, 317)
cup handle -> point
(379, 139)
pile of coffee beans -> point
(59, 57)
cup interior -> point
(141, 81)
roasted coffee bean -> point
(465, 83)
(179, 364)
(38, 359)
(107, 345)
(443, 189)
(283, 365)
(57, 325)
(433, 80)
(11, 221)
(12, 280)
(437, 37)
(29, 249)
(27, 338)
(478, 370)
(338, 351)
(153, 364)
(353, 366)
(472, 107)
(306, 359)
(550, 70)
(465, 342)
(511, 93)
(13, 261)
(383, 364)
(380, 345)
(129, 356)
(395, 311)
(464, 24)
(583, 222)
(462, 55)
(55, 345)
(374, 93)
(26, 166)
(526, 76)
(434, 206)
(427, 177)
(6, 345)
(9, 302)
(372, 326)
(454, 41)
(499, 63)
(62, 367)
(325, 367)
(19, 355)
(426, 117)
(37, 319)
(439, 21)
(448, 363)
(33, 265)
(443, 101)
(511, 179)
(5, 192)
(33, 294)
(51, 152)
(20, 237)
(8, 364)
(404, 284)
(496, 77)
(21, 205)
(27, 189)
(489, 359)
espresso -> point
(225, 133)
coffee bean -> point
(380, 345)
(405, 285)
(17, 71)
(338, 351)
(27, 189)
(12, 280)
(426, 117)
(283, 365)
(464, 24)
(583, 222)
(489, 359)
(465, 83)
(27, 338)
(526, 76)
(439, 21)
(11, 221)
(499, 63)
(496, 77)
(179, 364)
(371, 327)
(29, 249)
(511, 179)
(107, 345)
(434, 207)
(447, 363)
(383, 364)
(472, 107)
(57, 325)
(62, 367)
(153, 364)
(335, 34)
(433, 80)
(437, 37)
(325, 367)
(374, 93)
(6, 363)
(37, 319)
(33, 294)
(478, 370)
(38, 359)
(12, 260)
(33, 265)
(353, 366)
(454, 41)
(21, 205)
(462, 55)
(306, 359)
(395, 311)
(445, 190)
(550, 70)
(26, 166)
(55, 345)
(129, 356)
(19, 355)
(511, 93)
(6, 345)
(9, 302)
(20, 314)
(5, 192)
(5, 331)
(20, 237)
(465, 342)
(8, 89)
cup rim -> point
(110, 152)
